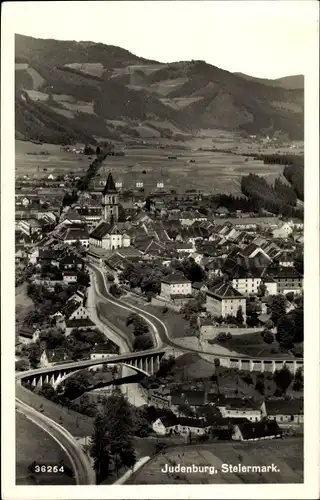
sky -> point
(267, 39)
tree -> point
(52, 337)
(140, 326)
(298, 381)
(115, 290)
(267, 336)
(260, 387)
(278, 307)
(239, 316)
(34, 353)
(166, 365)
(298, 321)
(142, 342)
(83, 278)
(100, 448)
(185, 410)
(283, 378)
(115, 432)
(285, 331)
(189, 308)
(262, 289)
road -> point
(132, 391)
(159, 329)
(84, 474)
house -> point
(74, 315)
(170, 424)
(77, 297)
(73, 234)
(224, 300)
(28, 335)
(71, 262)
(165, 425)
(70, 218)
(284, 412)
(184, 247)
(288, 279)
(252, 431)
(53, 356)
(283, 231)
(246, 281)
(69, 276)
(102, 351)
(109, 236)
(30, 226)
(240, 408)
(175, 285)
(78, 324)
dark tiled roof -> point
(101, 230)
(110, 186)
(77, 323)
(250, 430)
(175, 278)
(224, 290)
(285, 407)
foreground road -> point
(84, 474)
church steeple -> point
(110, 186)
(110, 201)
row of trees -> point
(266, 197)
(142, 336)
(295, 175)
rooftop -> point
(224, 290)
(110, 187)
(175, 278)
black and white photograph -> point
(166, 243)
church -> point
(109, 233)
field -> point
(251, 344)
(209, 171)
(286, 454)
(30, 162)
(28, 449)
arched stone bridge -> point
(146, 362)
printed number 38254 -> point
(49, 468)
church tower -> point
(110, 201)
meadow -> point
(208, 171)
(286, 454)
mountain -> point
(292, 82)
(70, 91)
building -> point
(224, 300)
(175, 285)
(249, 431)
(109, 236)
(73, 234)
(284, 412)
(52, 356)
(70, 276)
(170, 424)
(288, 279)
(102, 351)
(110, 201)
(240, 408)
(283, 231)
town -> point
(185, 308)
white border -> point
(310, 488)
